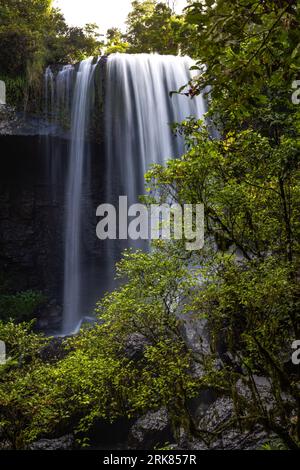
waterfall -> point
(49, 92)
(57, 110)
(138, 114)
(79, 121)
(64, 81)
(58, 96)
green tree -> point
(115, 41)
(153, 27)
(248, 180)
(98, 378)
(33, 35)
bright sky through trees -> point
(106, 13)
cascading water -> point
(138, 112)
(79, 122)
(49, 92)
(64, 81)
(58, 97)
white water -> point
(58, 98)
(138, 114)
(58, 94)
(49, 92)
(64, 82)
(139, 111)
(79, 122)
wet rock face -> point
(62, 443)
(50, 317)
(154, 430)
(221, 414)
(150, 430)
(196, 333)
(30, 237)
(135, 346)
(16, 123)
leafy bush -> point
(21, 306)
(98, 379)
(23, 384)
(15, 90)
(34, 34)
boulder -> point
(151, 430)
(135, 346)
(61, 443)
(196, 333)
(219, 414)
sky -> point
(106, 13)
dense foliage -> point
(153, 27)
(244, 283)
(99, 378)
(248, 180)
(20, 306)
(33, 34)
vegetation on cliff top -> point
(34, 34)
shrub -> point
(20, 306)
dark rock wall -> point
(33, 171)
(30, 240)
